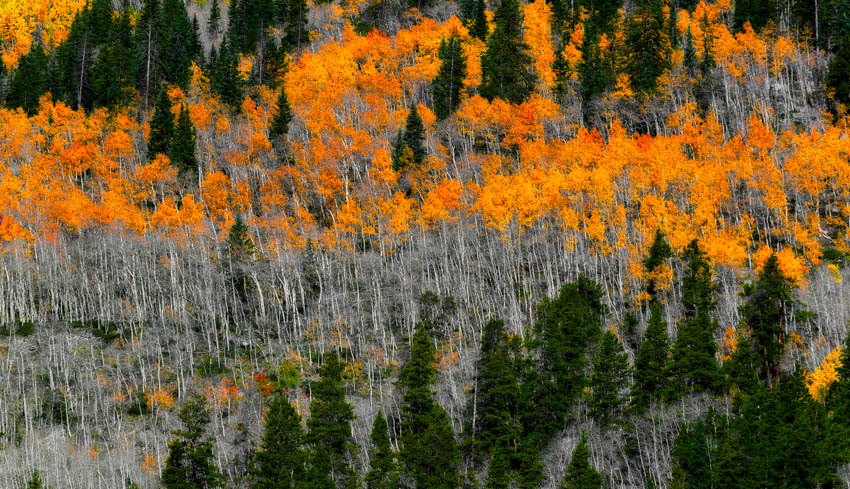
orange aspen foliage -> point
(819, 381)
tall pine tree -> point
(506, 65)
(162, 126)
(383, 467)
(30, 80)
(190, 463)
(649, 47)
(409, 148)
(449, 81)
(183, 143)
(279, 463)
(650, 374)
(610, 378)
(580, 474)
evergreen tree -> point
(280, 123)
(113, 79)
(296, 23)
(429, 453)
(757, 12)
(705, 81)
(603, 14)
(478, 26)
(35, 481)
(72, 80)
(101, 20)
(383, 467)
(838, 76)
(768, 300)
(610, 378)
(580, 474)
(148, 49)
(183, 143)
(279, 464)
(177, 41)
(649, 47)
(498, 476)
(162, 126)
(190, 455)
(694, 362)
(659, 252)
(449, 81)
(225, 79)
(690, 60)
(495, 401)
(214, 18)
(410, 145)
(690, 453)
(29, 81)
(506, 65)
(561, 69)
(650, 374)
(240, 252)
(329, 428)
(594, 71)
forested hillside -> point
(424, 244)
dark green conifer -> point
(768, 301)
(694, 363)
(296, 23)
(214, 18)
(162, 126)
(183, 143)
(506, 65)
(280, 123)
(429, 453)
(659, 252)
(409, 147)
(838, 76)
(595, 76)
(147, 50)
(329, 428)
(178, 43)
(580, 474)
(279, 463)
(101, 20)
(757, 12)
(478, 26)
(690, 454)
(35, 481)
(225, 79)
(113, 78)
(383, 467)
(498, 476)
(649, 47)
(561, 69)
(449, 81)
(190, 463)
(73, 60)
(30, 80)
(650, 374)
(610, 378)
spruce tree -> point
(409, 147)
(478, 27)
(498, 476)
(190, 462)
(35, 481)
(280, 123)
(296, 23)
(72, 81)
(148, 50)
(329, 427)
(594, 72)
(659, 252)
(838, 76)
(694, 363)
(690, 453)
(29, 81)
(240, 253)
(610, 377)
(649, 47)
(561, 69)
(225, 79)
(757, 12)
(177, 42)
(113, 79)
(650, 374)
(449, 81)
(101, 20)
(214, 18)
(429, 453)
(279, 463)
(506, 65)
(162, 126)
(183, 143)
(768, 301)
(580, 474)
(495, 400)
(383, 467)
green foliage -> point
(54, 408)
(190, 463)
(183, 143)
(694, 363)
(177, 41)
(429, 453)
(294, 17)
(659, 252)
(690, 455)
(768, 301)
(594, 71)
(506, 65)
(30, 80)
(280, 123)
(477, 23)
(35, 481)
(498, 476)
(757, 12)
(650, 374)
(580, 474)
(409, 147)
(225, 78)
(279, 463)
(113, 78)
(383, 467)
(561, 69)
(329, 427)
(610, 378)
(838, 76)
(649, 47)
(73, 63)
(162, 126)
(214, 18)
(449, 81)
